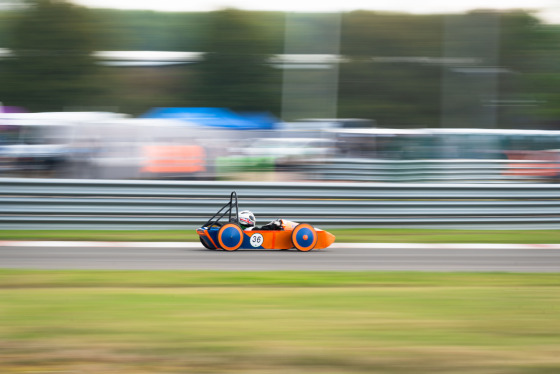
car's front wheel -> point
(304, 237)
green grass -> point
(342, 235)
(278, 322)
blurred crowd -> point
(117, 146)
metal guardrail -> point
(433, 170)
(110, 204)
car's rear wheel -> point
(304, 237)
(230, 237)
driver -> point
(247, 221)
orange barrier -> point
(544, 163)
(173, 159)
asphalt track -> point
(339, 257)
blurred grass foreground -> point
(278, 322)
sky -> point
(548, 10)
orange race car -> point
(230, 236)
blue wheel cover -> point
(310, 237)
(231, 237)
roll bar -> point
(227, 209)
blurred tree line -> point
(398, 68)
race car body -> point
(230, 236)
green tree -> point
(235, 72)
(532, 49)
(142, 30)
(373, 34)
(53, 67)
(388, 76)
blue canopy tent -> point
(213, 117)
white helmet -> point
(247, 219)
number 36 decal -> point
(257, 240)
